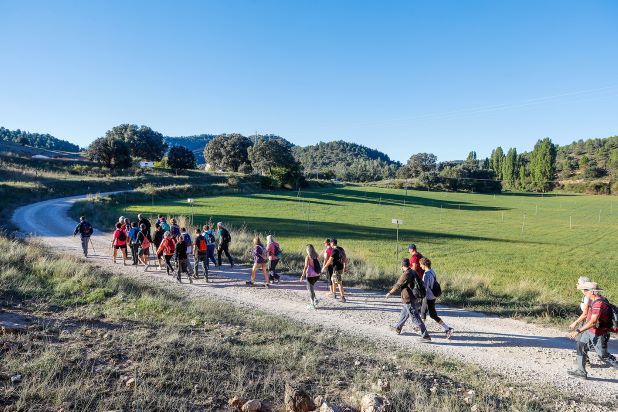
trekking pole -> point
(92, 244)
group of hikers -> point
(417, 285)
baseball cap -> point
(411, 246)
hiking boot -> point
(425, 339)
(343, 299)
(397, 330)
(178, 279)
(578, 374)
(449, 333)
(249, 283)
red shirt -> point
(328, 251)
(117, 241)
(414, 260)
(601, 308)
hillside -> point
(588, 159)
(43, 141)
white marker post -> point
(397, 222)
(190, 202)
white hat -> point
(593, 286)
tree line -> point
(40, 140)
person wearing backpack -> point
(339, 262)
(119, 241)
(174, 229)
(432, 291)
(187, 239)
(85, 230)
(141, 220)
(182, 259)
(157, 239)
(415, 257)
(259, 261)
(412, 292)
(311, 272)
(167, 249)
(164, 225)
(328, 250)
(225, 238)
(211, 242)
(274, 254)
(200, 248)
(601, 319)
(133, 242)
(144, 241)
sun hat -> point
(583, 279)
(594, 286)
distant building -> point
(146, 164)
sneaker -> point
(190, 280)
(316, 301)
(449, 333)
(249, 283)
(425, 339)
(397, 330)
(146, 268)
(178, 279)
(343, 299)
(267, 285)
(578, 374)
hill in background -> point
(42, 141)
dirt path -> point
(517, 350)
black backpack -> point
(418, 289)
(225, 236)
(316, 266)
(122, 236)
(211, 238)
(87, 229)
(436, 288)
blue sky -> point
(444, 77)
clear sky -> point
(444, 77)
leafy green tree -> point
(288, 177)
(417, 164)
(179, 157)
(510, 169)
(228, 152)
(543, 165)
(112, 152)
(23, 140)
(471, 157)
(43, 141)
(266, 154)
(143, 142)
(496, 159)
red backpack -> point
(201, 244)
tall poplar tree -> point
(543, 165)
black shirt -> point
(181, 250)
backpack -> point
(87, 229)
(316, 266)
(211, 238)
(225, 236)
(122, 236)
(145, 242)
(436, 289)
(613, 322)
(418, 290)
(201, 244)
(277, 251)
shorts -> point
(143, 252)
(120, 247)
(337, 277)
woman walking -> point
(119, 241)
(274, 254)
(429, 301)
(157, 240)
(259, 261)
(311, 272)
(144, 241)
(167, 249)
(225, 238)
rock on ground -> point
(374, 403)
(297, 400)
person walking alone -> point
(412, 292)
(85, 230)
(274, 254)
(594, 334)
(311, 272)
(429, 301)
(225, 238)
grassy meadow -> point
(516, 253)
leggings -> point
(168, 264)
(310, 282)
(272, 264)
(429, 305)
(223, 247)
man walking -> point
(85, 230)
(412, 292)
(594, 334)
(415, 259)
(338, 261)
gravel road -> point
(524, 352)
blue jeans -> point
(211, 255)
(410, 311)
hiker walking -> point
(141, 220)
(311, 273)
(164, 224)
(182, 259)
(119, 241)
(274, 254)
(200, 248)
(174, 229)
(167, 249)
(259, 262)
(225, 238)
(594, 334)
(85, 230)
(133, 244)
(412, 292)
(415, 257)
(156, 240)
(211, 242)
(329, 269)
(144, 241)
(339, 262)
(187, 239)
(429, 301)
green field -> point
(514, 252)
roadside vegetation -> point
(512, 254)
(98, 341)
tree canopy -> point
(143, 142)
(265, 154)
(113, 152)
(179, 157)
(43, 141)
(228, 152)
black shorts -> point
(120, 247)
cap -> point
(411, 246)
